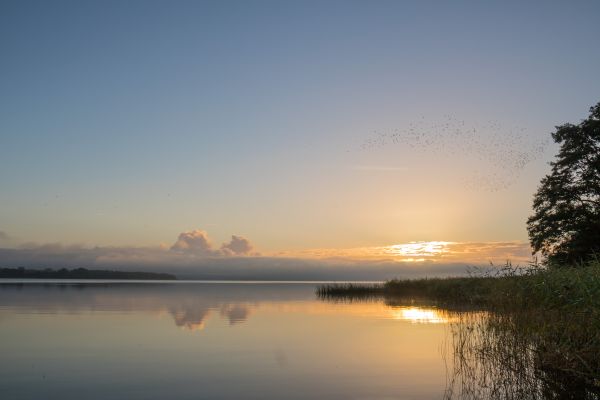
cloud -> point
(238, 245)
(192, 256)
(192, 266)
(196, 241)
(436, 251)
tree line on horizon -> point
(80, 273)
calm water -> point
(213, 340)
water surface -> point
(124, 340)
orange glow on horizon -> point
(427, 251)
(418, 249)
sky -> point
(304, 129)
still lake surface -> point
(200, 340)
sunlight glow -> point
(419, 315)
(418, 251)
(425, 252)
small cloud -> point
(238, 246)
(196, 241)
(4, 237)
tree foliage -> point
(565, 225)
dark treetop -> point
(565, 225)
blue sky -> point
(127, 123)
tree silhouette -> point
(565, 226)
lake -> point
(200, 340)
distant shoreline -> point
(81, 273)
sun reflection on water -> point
(419, 315)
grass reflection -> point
(490, 356)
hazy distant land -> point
(80, 273)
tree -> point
(565, 225)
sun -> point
(418, 251)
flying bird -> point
(501, 152)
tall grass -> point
(568, 288)
(349, 291)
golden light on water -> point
(419, 315)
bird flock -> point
(498, 153)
